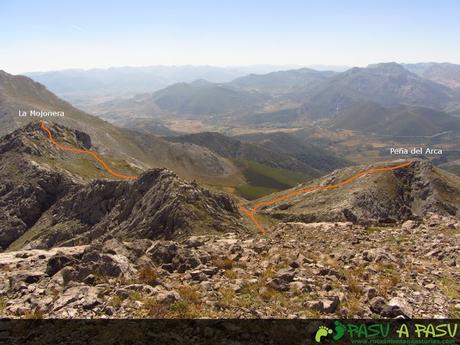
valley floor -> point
(296, 270)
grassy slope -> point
(262, 179)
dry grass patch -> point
(450, 287)
(116, 301)
(226, 296)
(223, 263)
(386, 283)
(189, 294)
(148, 275)
(230, 274)
(155, 310)
(353, 304)
(35, 314)
(2, 304)
(355, 291)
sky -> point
(51, 35)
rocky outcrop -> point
(27, 189)
(157, 205)
(43, 205)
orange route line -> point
(252, 212)
(86, 152)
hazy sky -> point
(47, 35)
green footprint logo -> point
(339, 330)
(322, 331)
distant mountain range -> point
(356, 99)
(80, 86)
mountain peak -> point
(388, 68)
(388, 65)
(32, 139)
(201, 82)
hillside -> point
(291, 144)
(401, 121)
(47, 200)
(207, 99)
(265, 171)
(21, 93)
(375, 198)
(447, 74)
(232, 148)
(139, 149)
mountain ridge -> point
(45, 203)
(384, 197)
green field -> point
(263, 180)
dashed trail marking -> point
(251, 213)
(86, 152)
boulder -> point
(370, 292)
(282, 279)
(163, 252)
(168, 297)
(185, 260)
(21, 279)
(58, 262)
(397, 306)
(326, 305)
(377, 304)
(330, 272)
(193, 242)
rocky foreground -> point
(297, 270)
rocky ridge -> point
(45, 202)
(382, 197)
(157, 205)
